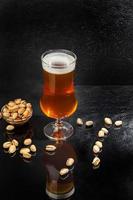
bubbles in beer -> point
(58, 63)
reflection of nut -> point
(27, 141)
(64, 171)
(10, 128)
(33, 148)
(13, 154)
(12, 149)
(50, 147)
(6, 145)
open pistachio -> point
(26, 113)
(33, 148)
(64, 171)
(11, 103)
(28, 105)
(27, 141)
(99, 144)
(69, 162)
(105, 130)
(118, 123)
(12, 149)
(17, 101)
(15, 142)
(21, 110)
(108, 121)
(24, 150)
(79, 121)
(96, 161)
(10, 128)
(96, 149)
(6, 145)
(6, 114)
(50, 147)
(27, 155)
(101, 133)
(89, 123)
(14, 115)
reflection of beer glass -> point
(56, 186)
(58, 98)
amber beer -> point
(58, 98)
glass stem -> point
(58, 123)
(58, 133)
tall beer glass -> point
(58, 96)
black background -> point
(101, 34)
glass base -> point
(61, 131)
(60, 196)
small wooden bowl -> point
(16, 122)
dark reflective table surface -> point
(112, 180)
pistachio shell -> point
(96, 161)
(15, 142)
(27, 155)
(64, 171)
(99, 144)
(12, 149)
(50, 147)
(24, 150)
(96, 149)
(27, 141)
(10, 128)
(108, 121)
(69, 162)
(79, 121)
(118, 123)
(33, 148)
(6, 145)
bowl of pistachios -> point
(17, 112)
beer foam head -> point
(58, 63)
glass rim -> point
(68, 52)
